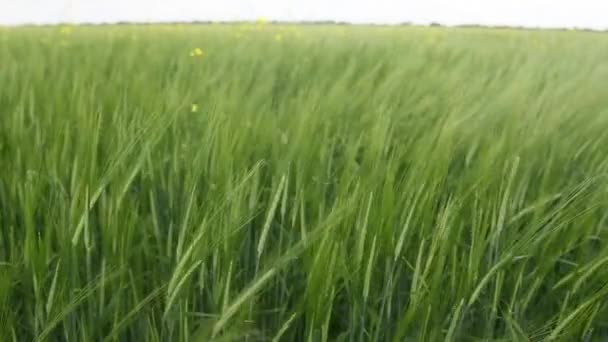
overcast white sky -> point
(534, 13)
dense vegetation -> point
(303, 183)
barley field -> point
(260, 182)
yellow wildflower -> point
(198, 52)
(262, 21)
(194, 108)
(278, 37)
(65, 30)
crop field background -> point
(259, 182)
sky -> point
(529, 13)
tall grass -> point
(302, 184)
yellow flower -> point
(198, 52)
(194, 108)
(66, 30)
(262, 21)
(278, 37)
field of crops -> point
(257, 182)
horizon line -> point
(304, 22)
